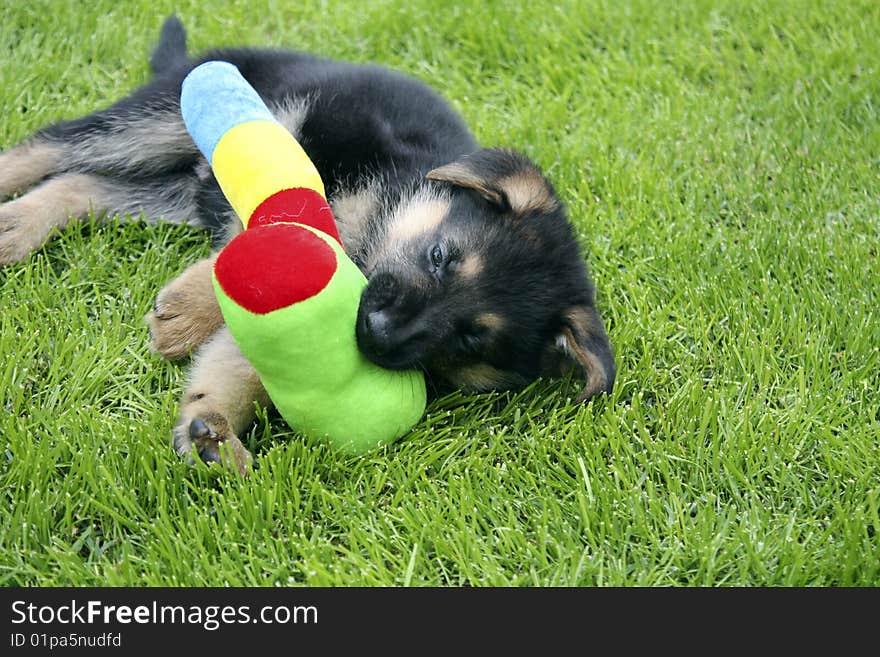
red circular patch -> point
(266, 268)
(301, 205)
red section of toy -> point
(293, 264)
(300, 205)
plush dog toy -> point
(288, 292)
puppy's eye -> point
(470, 342)
(472, 339)
(436, 256)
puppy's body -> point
(474, 273)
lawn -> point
(721, 163)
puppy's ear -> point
(508, 180)
(582, 344)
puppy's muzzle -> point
(391, 329)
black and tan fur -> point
(474, 273)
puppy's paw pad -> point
(209, 435)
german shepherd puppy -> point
(474, 273)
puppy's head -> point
(480, 281)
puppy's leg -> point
(27, 164)
(28, 221)
(185, 312)
(218, 404)
(140, 136)
(135, 157)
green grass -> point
(721, 161)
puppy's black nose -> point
(376, 331)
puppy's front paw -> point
(185, 313)
(174, 331)
(213, 440)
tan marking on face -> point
(419, 215)
(471, 266)
(482, 377)
(527, 192)
(26, 165)
(491, 321)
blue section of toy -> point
(218, 84)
